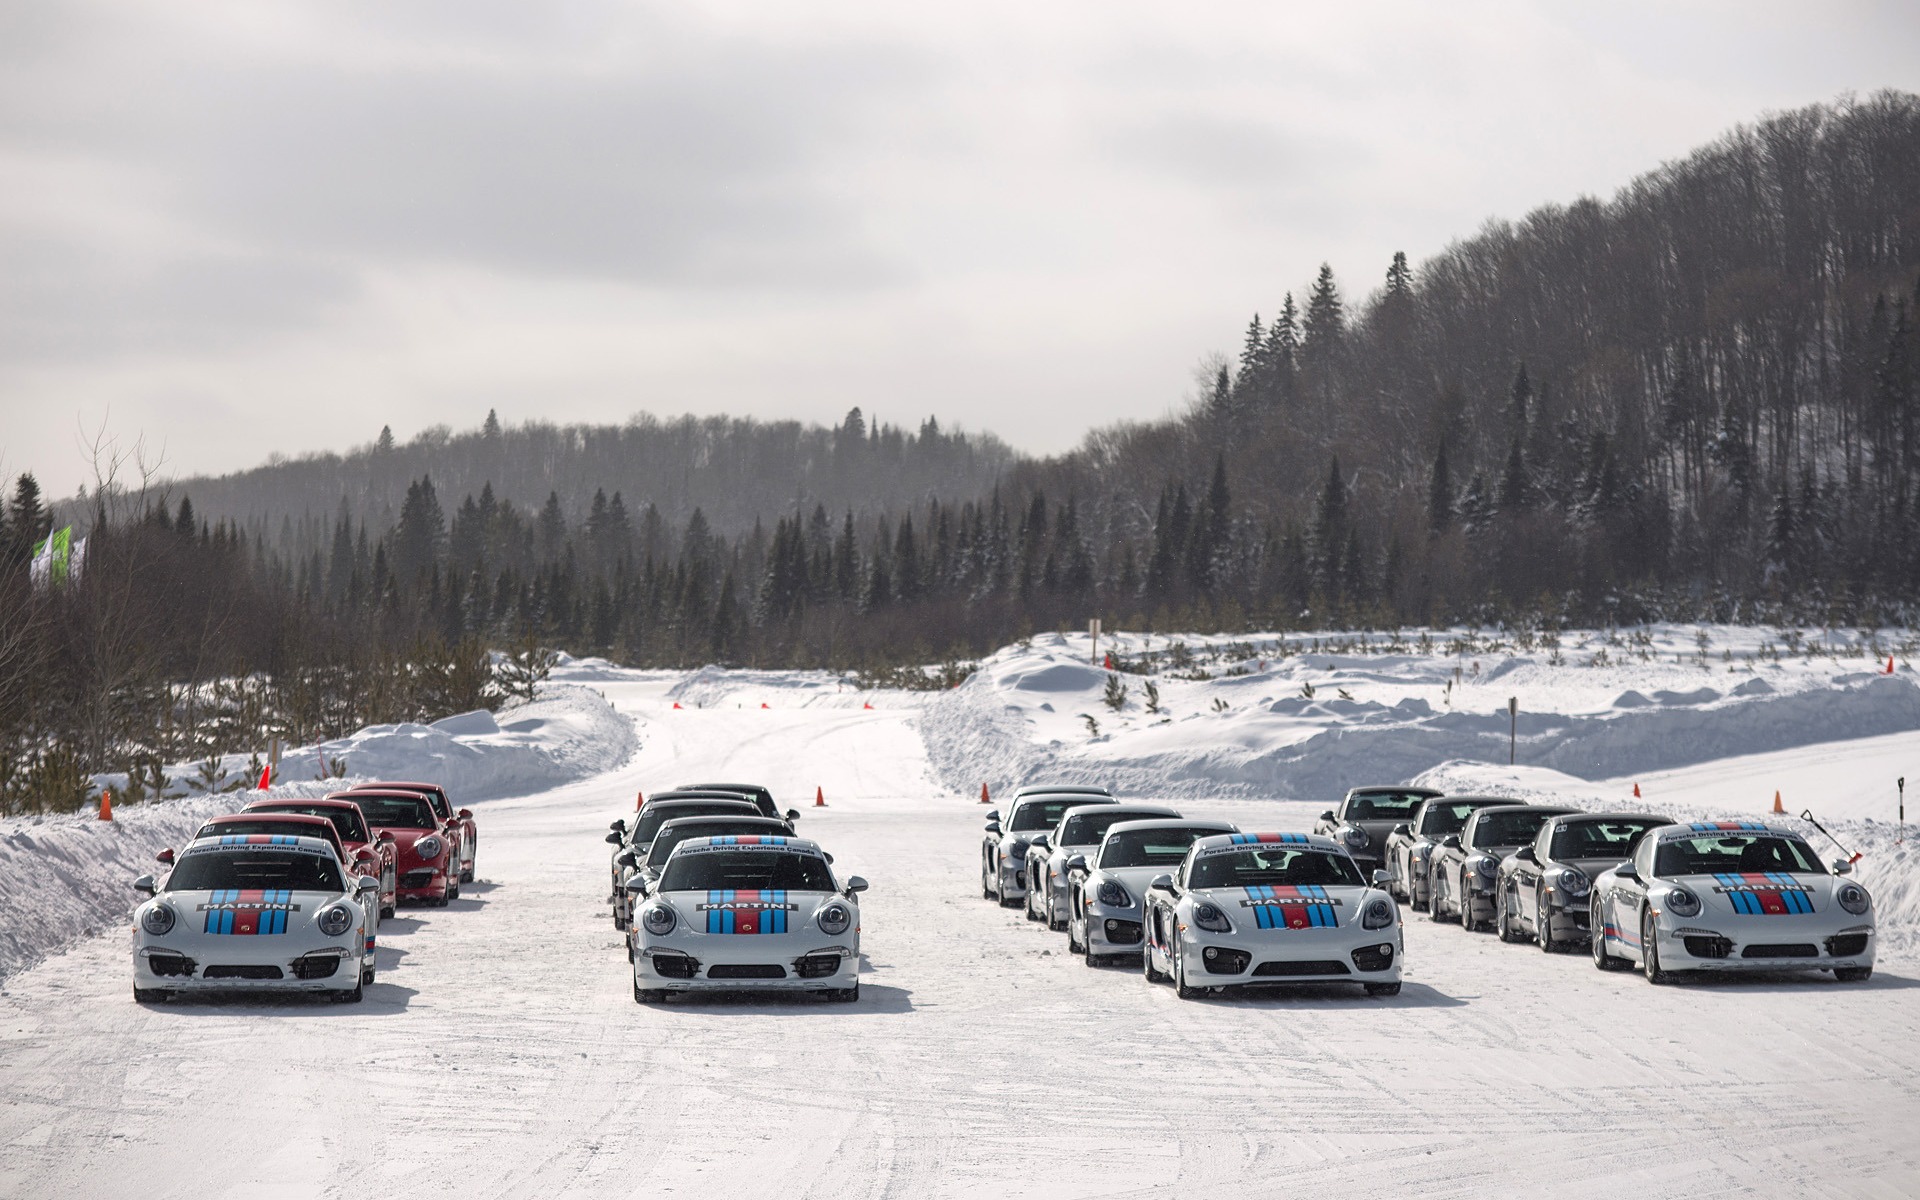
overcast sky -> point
(245, 228)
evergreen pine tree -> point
(1439, 494)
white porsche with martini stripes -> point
(255, 912)
(747, 913)
(1731, 896)
(1269, 908)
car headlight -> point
(1016, 849)
(335, 920)
(657, 920)
(1573, 882)
(1683, 903)
(1209, 917)
(1355, 837)
(157, 920)
(1852, 897)
(834, 919)
(1423, 851)
(1377, 915)
(427, 847)
(1486, 865)
(1113, 895)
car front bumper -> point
(1713, 946)
(1115, 930)
(697, 964)
(157, 965)
(1344, 954)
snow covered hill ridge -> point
(1272, 716)
(68, 876)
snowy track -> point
(501, 1054)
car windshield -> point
(214, 870)
(1383, 806)
(1150, 847)
(1274, 866)
(673, 833)
(779, 870)
(1598, 839)
(1088, 828)
(1507, 829)
(263, 825)
(1715, 853)
(652, 818)
(345, 820)
(1443, 817)
(1035, 815)
(397, 812)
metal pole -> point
(1513, 726)
(1901, 783)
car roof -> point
(1551, 810)
(1086, 799)
(406, 785)
(1727, 827)
(1482, 801)
(257, 814)
(334, 801)
(1401, 790)
(1170, 823)
(689, 801)
(1574, 818)
(785, 841)
(723, 787)
(699, 793)
(390, 793)
(1313, 841)
(243, 841)
(756, 821)
(1034, 789)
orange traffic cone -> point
(266, 776)
(639, 800)
(819, 797)
(1889, 669)
(1776, 804)
(1636, 791)
(106, 805)
(676, 704)
(869, 704)
(983, 795)
(763, 704)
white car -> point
(1107, 889)
(1730, 896)
(747, 913)
(255, 912)
(1078, 833)
(1265, 908)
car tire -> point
(386, 914)
(366, 976)
(1153, 974)
(1468, 921)
(1027, 904)
(1853, 974)
(1180, 986)
(355, 996)
(1543, 923)
(1650, 954)
(845, 995)
(1074, 945)
(648, 995)
(1601, 958)
(149, 995)
(1504, 922)
(1436, 911)
(1383, 989)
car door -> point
(1627, 897)
(1527, 876)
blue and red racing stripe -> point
(241, 911)
(1257, 839)
(747, 840)
(1764, 893)
(749, 910)
(1728, 827)
(1283, 907)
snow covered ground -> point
(501, 1054)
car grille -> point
(318, 966)
(1709, 946)
(1221, 961)
(417, 879)
(676, 966)
(1840, 945)
(1123, 933)
(243, 971)
(1310, 967)
(1373, 958)
(814, 966)
(746, 971)
(1781, 950)
(170, 964)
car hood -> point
(739, 911)
(1761, 893)
(1377, 831)
(1592, 868)
(244, 912)
(1286, 909)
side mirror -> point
(993, 816)
(618, 826)
(624, 858)
(855, 884)
(1379, 879)
(993, 827)
(1625, 871)
(165, 856)
(1525, 854)
(1160, 883)
(828, 857)
(1451, 841)
(367, 883)
(793, 814)
(1327, 816)
(635, 886)
(1044, 841)
(466, 814)
(386, 835)
(1077, 863)
(614, 839)
(1403, 830)
(144, 884)
(1842, 867)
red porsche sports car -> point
(356, 833)
(461, 820)
(426, 847)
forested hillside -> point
(1696, 399)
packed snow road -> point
(501, 1053)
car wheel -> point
(453, 893)
(1383, 989)
(1074, 944)
(619, 922)
(1028, 905)
(1543, 923)
(1154, 974)
(1180, 987)
(1650, 953)
(1416, 902)
(366, 976)
(149, 995)
(1601, 958)
(845, 995)
(1464, 901)
(648, 995)
(355, 996)
(387, 912)
(1853, 974)
(1436, 908)
(1504, 922)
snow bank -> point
(66, 877)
